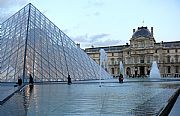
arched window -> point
(156, 58)
(128, 71)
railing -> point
(170, 103)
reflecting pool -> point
(130, 98)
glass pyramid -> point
(31, 44)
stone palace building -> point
(137, 57)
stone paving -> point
(138, 98)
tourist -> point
(121, 78)
(19, 81)
(69, 80)
(30, 79)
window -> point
(168, 59)
(169, 69)
(155, 51)
(112, 70)
(167, 51)
(176, 50)
(128, 60)
(119, 59)
(135, 60)
(135, 45)
(177, 69)
(112, 61)
(142, 59)
(115, 54)
(176, 58)
(148, 59)
(93, 55)
(112, 54)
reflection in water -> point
(27, 96)
(18, 104)
(87, 99)
(169, 86)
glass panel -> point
(50, 54)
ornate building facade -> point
(139, 55)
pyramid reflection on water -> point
(31, 44)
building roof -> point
(121, 47)
(170, 44)
(107, 48)
(142, 32)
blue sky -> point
(105, 22)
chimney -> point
(134, 30)
(152, 31)
(161, 43)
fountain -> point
(154, 73)
(121, 68)
(103, 63)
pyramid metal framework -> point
(31, 44)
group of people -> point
(31, 81)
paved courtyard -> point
(87, 98)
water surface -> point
(138, 98)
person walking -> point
(69, 80)
(19, 81)
(31, 81)
(121, 78)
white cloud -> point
(97, 40)
(90, 38)
(81, 38)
